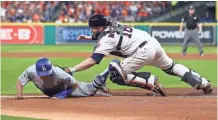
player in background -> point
(58, 84)
(138, 49)
(191, 32)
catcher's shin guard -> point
(141, 79)
(148, 81)
(137, 79)
(198, 82)
(194, 79)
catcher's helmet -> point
(98, 20)
(43, 67)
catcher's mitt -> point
(66, 69)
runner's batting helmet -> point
(43, 67)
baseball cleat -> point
(158, 88)
(104, 88)
(151, 94)
(207, 89)
(102, 93)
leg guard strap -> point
(141, 80)
(170, 70)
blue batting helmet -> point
(43, 67)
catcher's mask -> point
(98, 23)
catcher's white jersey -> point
(132, 38)
(150, 53)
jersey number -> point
(126, 31)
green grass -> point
(5, 117)
(12, 67)
(47, 48)
(89, 48)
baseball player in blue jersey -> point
(58, 84)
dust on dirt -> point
(180, 104)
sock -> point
(91, 89)
(101, 79)
(105, 73)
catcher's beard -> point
(96, 31)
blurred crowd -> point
(29, 11)
(76, 11)
(126, 11)
(80, 11)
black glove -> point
(66, 69)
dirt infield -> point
(180, 104)
(87, 54)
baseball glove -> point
(66, 69)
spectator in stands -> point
(80, 11)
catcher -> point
(138, 48)
(58, 84)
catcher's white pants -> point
(153, 54)
(150, 54)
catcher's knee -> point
(116, 71)
(116, 74)
(170, 69)
(116, 78)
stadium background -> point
(38, 27)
